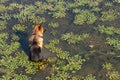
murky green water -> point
(95, 49)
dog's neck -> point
(38, 35)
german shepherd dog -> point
(36, 43)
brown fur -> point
(36, 42)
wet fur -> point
(36, 43)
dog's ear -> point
(39, 27)
(35, 26)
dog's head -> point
(38, 29)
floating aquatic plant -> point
(3, 1)
(74, 63)
(114, 42)
(72, 38)
(5, 16)
(12, 59)
(15, 37)
(2, 25)
(113, 31)
(41, 7)
(110, 30)
(9, 60)
(8, 70)
(59, 76)
(38, 19)
(90, 77)
(71, 5)
(2, 8)
(118, 1)
(9, 74)
(57, 50)
(30, 14)
(96, 9)
(107, 66)
(58, 9)
(113, 75)
(24, 62)
(3, 38)
(108, 4)
(19, 27)
(108, 15)
(21, 77)
(59, 14)
(14, 6)
(76, 10)
(25, 14)
(65, 62)
(9, 49)
(53, 24)
(85, 17)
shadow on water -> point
(23, 41)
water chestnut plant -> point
(113, 75)
(85, 17)
(2, 25)
(115, 42)
(72, 38)
(110, 30)
(71, 64)
(107, 66)
(110, 72)
(90, 77)
(19, 27)
(108, 15)
(53, 24)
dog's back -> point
(35, 51)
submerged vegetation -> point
(83, 35)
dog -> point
(36, 43)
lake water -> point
(93, 49)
